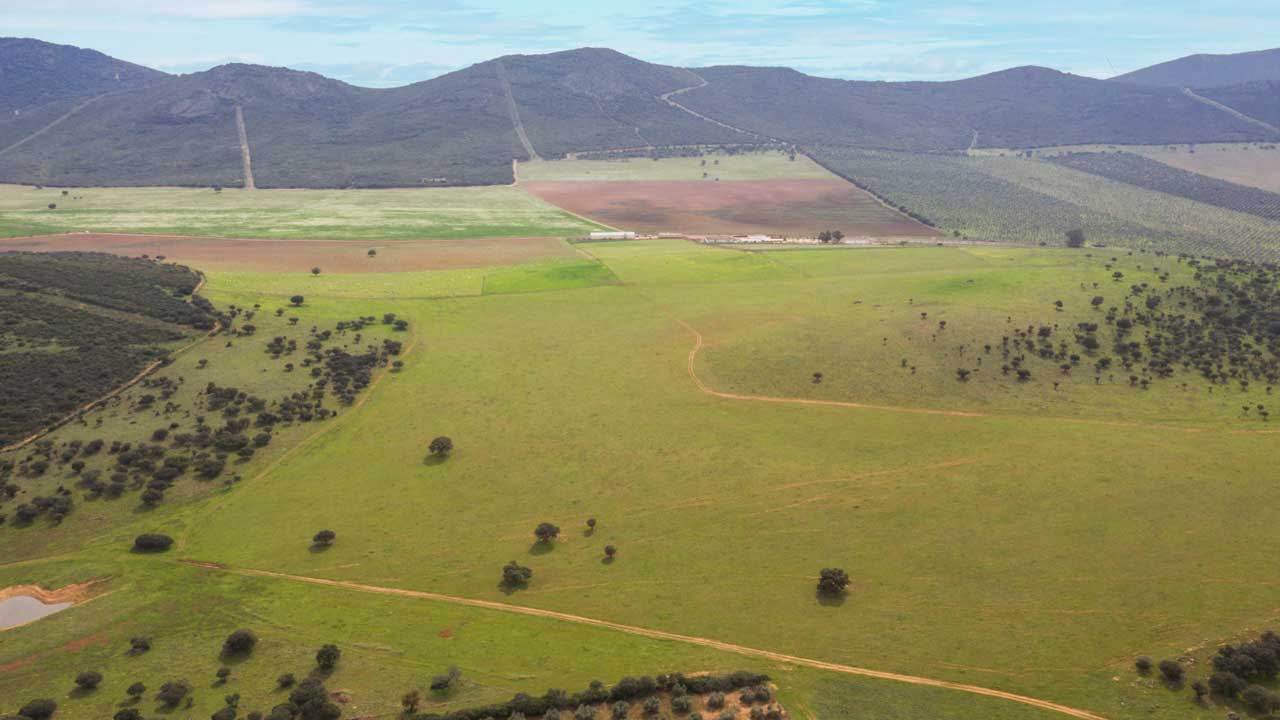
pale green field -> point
(1036, 549)
(745, 166)
(1256, 164)
(500, 211)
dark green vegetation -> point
(75, 325)
(1259, 100)
(1207, 71)
(305, 130)
(1153, 175)
(176, 430)
(1010, 197)
(1240, 676)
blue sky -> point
(392, 42)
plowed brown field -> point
(341, 256)
(792, 208)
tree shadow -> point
(317, 548)
(830, 600)
(589, 532)
(433, 460)
(81, 692)
(607, 560)
(541, 548)
(508, 589)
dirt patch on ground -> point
(73, 646)
(73, 594)
(794, 208)
(334, 256)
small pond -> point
(22, 609)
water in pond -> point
(23, 609)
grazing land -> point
(790, 410)
(1242, 163)
(411, 214)
(1019, 199)
(712, 166)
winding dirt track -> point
(693, 375)
(661, 635)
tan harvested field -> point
(337, 256)
(795, 208)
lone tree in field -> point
(610, 551)
(296, 300)
(315, 270)
(1075, 238)
(240, 642)
(515, 575)
(324, 538)
(38, 709)
(441, 446)
(1142, 665)
(372, 252)
(152, 542)
(1171, 670)
(327, 657)
(546, 532)
(832, 582)
(591, 525)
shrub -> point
(240, 642)
(546, 532)
(1171, 670)
(832, 581)
(681, 704)
(172, 692)
(1142, 665)
(286, 680)
(715, 700)
(443, 682)
(136, 690)
(152, 542)
(39, 709)
(441, 446)
(619, 710)
(223, 673)
(1226, 684)
(585, 712)
(89, 680)
(327, 657)
(515, 575)
(226, 713)
(652, 705)
(1258, 699)
(324, 538)
(1200, 689)
(127, 714)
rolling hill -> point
(80, 118)
(1206, 71)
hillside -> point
(1205, 71)
(1021, 107)
(42, 81)
(1259, 100)
(464, 128)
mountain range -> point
(75, 117)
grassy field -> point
(1036, 547)
(314, 214)
(742, 166)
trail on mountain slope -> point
(245, 157)
(515, 111)
(56, 122)
(1229, 110)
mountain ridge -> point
(308, 130)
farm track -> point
(699, 343)
(702, 82)
(659, 635)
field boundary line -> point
(246, 158)
(1229, 110)
(657, 635)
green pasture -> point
(742, 166)
(428, 213)
(1035, 549)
